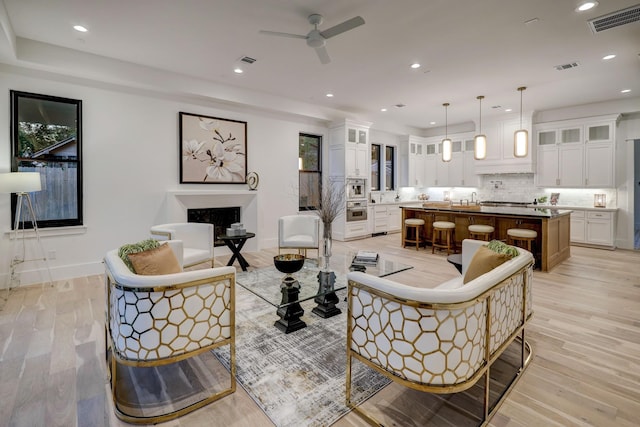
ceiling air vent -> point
(567, 66)
(247, 59)
(615, 19)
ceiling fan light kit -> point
(317, 39)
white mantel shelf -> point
(211, 192)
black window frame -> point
(15, 97)
(376, 167)
(302, 170)
(390, 163)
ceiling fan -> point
(316, 38)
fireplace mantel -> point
(178, 201)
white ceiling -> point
(466, 48)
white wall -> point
(130, 160)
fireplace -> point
(221, 218)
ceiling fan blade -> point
(276, 33)
(341, 28)
(323, 55)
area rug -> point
(297, 379)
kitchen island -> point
(552, 225)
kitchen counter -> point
(537, 212)
(552, 246)
(580, 208)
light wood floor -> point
(585, 334)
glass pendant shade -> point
(521, 136)
(480, 147)
(446, 142)
(480, 141)
(446, 150)
(521, 143)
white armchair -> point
(299, 232)
(160, 320)
(196, 237)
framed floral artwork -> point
(212, 150)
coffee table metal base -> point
(291, 313)
(327, 298)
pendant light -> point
(480, 140)
(446, 142)
(521, 136)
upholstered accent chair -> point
(299, 232)
(444, 339)
(163, 320)
(197, 239)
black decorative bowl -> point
(288, 263)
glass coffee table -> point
(312, 283)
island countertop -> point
(496, 210)
(552, 244)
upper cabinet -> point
(349, 149)
(500, 158)
(412, 168)
(459, 172)
(576, 153)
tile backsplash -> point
(507, 188)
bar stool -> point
(443, 231)
(414, 224)
(481, 232)
(522, 236)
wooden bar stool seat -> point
(443, 236)
(522, 237)
(481, 232)
(413, 232)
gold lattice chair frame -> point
(437, 347)
(160, 320)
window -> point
(309, 171)
(375, 167)
(390, 168)
(46, 133)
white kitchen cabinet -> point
(593, 228)
(430, 164)
(599, 161)
(412, 169)
(578, 223)
(349, 149)
(354, 230)
(387, 218)
(380, 219)
(576, 153)
(470, 179)
(500, 158)
(455, 168)
(600, 228)
(394, 219)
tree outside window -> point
(47, 138)
(375, 167)
(309, 171)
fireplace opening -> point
(221, 218)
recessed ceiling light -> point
(432, 123)
(625, 91)
(508, 110)
(80, 28)
(238, 70)
(415, 65)
(608, 57)
(586, 5)
(329, 95)
(383, 109)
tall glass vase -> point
(326, 246)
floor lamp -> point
(22, 183)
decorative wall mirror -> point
(46, 133)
